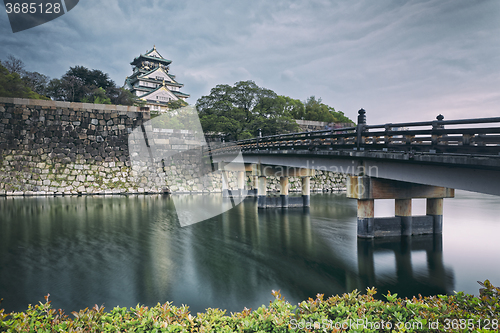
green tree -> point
(80, 84)
(36, 81)
(315, 110)
(98, 97)
(11, 85)
(294, 107)
(273, 116)
(239, 111)
(173, 105)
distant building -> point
(152, 83)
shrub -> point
(349, 312)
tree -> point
(11, 85)
(55, 90)
(239, 111)
(33, 80)
(315, 110)
(80, 84)
(294, 107)
(174, 105)
(122, 96)
(98, 97)
(36, 82)
(14, 65)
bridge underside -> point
(458, 172)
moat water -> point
(121, 251)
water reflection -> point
(129, 250)
(397, 263)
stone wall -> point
(62, 148)
(323, 181)
(52, 147)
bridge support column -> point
(241, 182)
(366, 189)
(435, 209)
(366, 218)
(284, 192)
(225, 185)
(261, 192)
(306, 191)
(255, 184)
(403, 211)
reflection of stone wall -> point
(49, 148)
(323, 181)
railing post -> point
(360, 127)
(466, 139)
(387, 139)
(436, 126)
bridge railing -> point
(436, 137)
(426, 136)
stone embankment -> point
(62, 148)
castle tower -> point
(152, 82)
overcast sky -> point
(400, 60)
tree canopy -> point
(239, 111)
(11, 85)
(78, 84)
(314, 109)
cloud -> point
(401, 60)
(288, 75)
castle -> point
(152, 83)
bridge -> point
(400, 161)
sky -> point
(399, 60)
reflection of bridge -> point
(300, 241)
(391, 161)
(407, 270)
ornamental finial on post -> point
(361, 116)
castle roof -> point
(150, 70)
(152, 55)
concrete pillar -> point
(366, 217)
(225, 185)
(241, 182)
(261, 192)
(306, 191)
(284, 191)
(255, 184)
(403, 210)
(435, 209)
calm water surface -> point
(129, 250)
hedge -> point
(354, 312)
